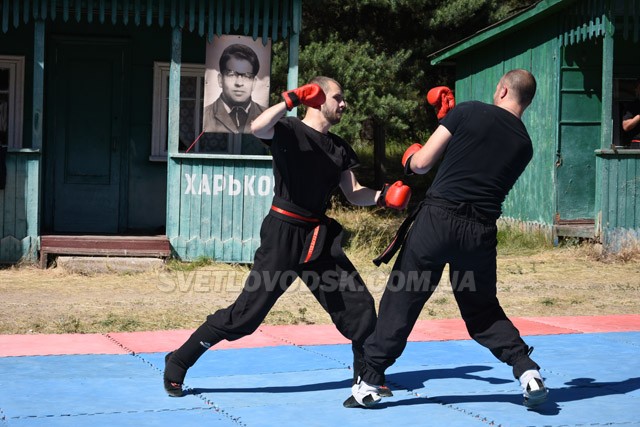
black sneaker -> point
(173, 389)
(384, 391)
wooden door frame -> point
(53, 42)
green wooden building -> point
(585, 55)
(100, 101)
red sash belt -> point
(316, 240)
(293, 214)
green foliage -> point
(380, 51)
(371, 89)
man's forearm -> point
(263, 125)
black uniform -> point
(456, 224)
(297, 240)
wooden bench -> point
(124, 246)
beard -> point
(332, 117)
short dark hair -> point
(239, 51)
(523, 83)
(324, 82)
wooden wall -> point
(478, 72)
(220, 207)
(19, 207)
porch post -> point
(35, 166)
(606, 133)
(607, 83)
(173, 136)
(294, 47)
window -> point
(191, 107)
(191, 98)
(11, 93)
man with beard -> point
(297, 238)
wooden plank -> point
(238, 212)
(256, 19)
(105, 243)
(236, 15)
(219, 18)
(10, 197)
(184, 197)
(247, 17)
(276, 16)
(21, 207)
(265, 22)
(227, 17)
(227, 214)
(249, 214)
(161, 13)
(204, 221)
(16, 13)
(114, 12)
(201, 17)
(211, 27)
(195, 209)
(630, 195)
(216, 213)
(150, 13)
(5, 16)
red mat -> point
(299, 335)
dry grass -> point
(536, 280)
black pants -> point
(331, 277)
(455, 234)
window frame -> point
(159, 152)
(15, 119)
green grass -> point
(512, 240)
(177, 265)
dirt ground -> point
(554, 282)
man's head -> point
(515, 87)
(638, 88)
(239, 66)
(335, 104)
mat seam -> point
(207, 401)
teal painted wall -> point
(18, 206)
(537, 50)
(620, 201)
(220, 207)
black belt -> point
(467, 210)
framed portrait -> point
(236, 88)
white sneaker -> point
(533, 388)
(364, 394)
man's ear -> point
(220, 79)
(502, 93)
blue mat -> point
(594, 381)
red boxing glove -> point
(310, 95)
(406, 157)
(441, 97)
(394, 196)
